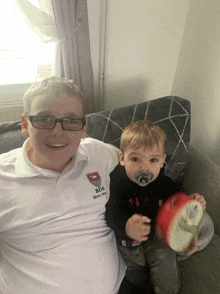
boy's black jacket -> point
(128, 198)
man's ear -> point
(121, 158)
(84, 135)
(163, 160)
(24, 126)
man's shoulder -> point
(10, 156)
(7, 164)
(100, 152)
(95, 146)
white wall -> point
(197, 76)
(13, 93)
(142, 50)
(159, 48)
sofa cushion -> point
(202, 176)
(10, 136)
(170, 113)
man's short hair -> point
(51, 87)
(142, 134)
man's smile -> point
(56, 145)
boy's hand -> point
(199, 198)
(192, 248)
(137, 227)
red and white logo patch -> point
(94, 179)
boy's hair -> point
(51, 87)
(142, 134)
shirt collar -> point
(24, 168)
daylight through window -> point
(21, 50)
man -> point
(53, 191)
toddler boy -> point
(138, 187)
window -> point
(21, 50)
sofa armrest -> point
(202, 176)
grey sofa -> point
(200, 274)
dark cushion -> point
(170, 113)
(10, 136)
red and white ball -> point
(178, 220)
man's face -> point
(53, 149)
(143, 160)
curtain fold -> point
(40, 22)
(71, 17)
(65, 22)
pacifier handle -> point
(143, 178)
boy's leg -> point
(205, 234)
(137, 273)
(163, 267)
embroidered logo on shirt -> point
(95, 179)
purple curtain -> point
(71, 17)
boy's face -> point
(53, 149)
(143, 160)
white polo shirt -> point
(53, 234)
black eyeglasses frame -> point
(31, 117)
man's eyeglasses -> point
(48, 123)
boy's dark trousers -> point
(160, 263)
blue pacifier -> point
(143, 178)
